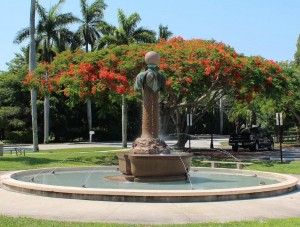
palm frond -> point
(41, 11)
(144, 35)
(21, 35)
(56, 7)
(97, 9)
(65, 19)
(121, 19)
(83, 8)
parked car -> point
(252, 138)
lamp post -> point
(189, 122)
(279, 122)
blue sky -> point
(268, 28)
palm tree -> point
(51, 32)
(92, 17)
(127, 33)
(88, 33)
(32, 65)
(163, 32)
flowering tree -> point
(198, 72)
(81, 76)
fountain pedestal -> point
(149, 146)
(155, 167)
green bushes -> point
(18, 137)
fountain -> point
(148, 160)
(149, 173)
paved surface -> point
(17, 204)
(199, 143)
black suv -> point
(253, 138)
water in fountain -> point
(59, 164)
(169, 150)
(54, 169)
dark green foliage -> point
(18, 136)
(14, 106)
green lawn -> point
(60, 158)
(29, 222)
(107, 156)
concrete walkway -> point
(17, 204)
(198, 143)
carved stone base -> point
(148, 146)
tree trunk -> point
(86, 47)
(164, 121)
(124, 121)
(221, 116)
(182, 139)
(46, 119)
(253, 118)
(89, 114)
(296, 115)
(32, 65)
(34, 121)
(181, 128)
(89, 102)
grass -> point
(60, 158)
(276, 145)
(30, 222)
(107, 156)
(290, 167)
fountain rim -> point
(287, 184)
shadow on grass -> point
(100, 160)
(29, 160)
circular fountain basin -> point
(94, 183)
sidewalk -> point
(199, 143)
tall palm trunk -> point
(32, 65)
(46, 119)
(89, 113)
(124, 121)
(221, 116)
(89, 102)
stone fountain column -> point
(145, 162)
(151, 82)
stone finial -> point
(152, 58)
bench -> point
(239, 165)
(18, 150)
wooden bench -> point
(239, 165)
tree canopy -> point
(198, 73)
